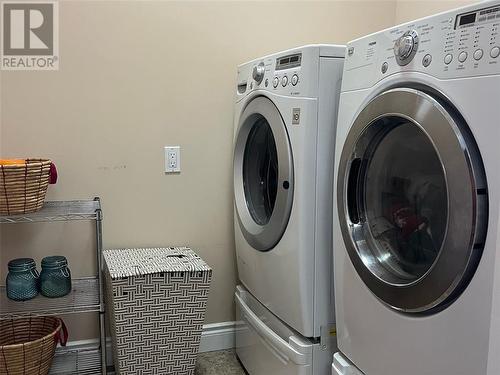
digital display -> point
(287, 62)
(478, 17)
(467, 19)
(488, 11)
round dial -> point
(258, 72)
(406, 47)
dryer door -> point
(263, 174)
(412, 200)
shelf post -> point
(102, 310)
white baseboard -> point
(216, 336)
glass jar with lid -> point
(55, 277)
(22, 280)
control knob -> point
(258, 72)
(406, 47)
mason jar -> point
(55, 277)
(22, 280)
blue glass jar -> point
(22, 280)
(55, 277)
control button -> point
(295, 79)
(267, 82)
(448, 58)
(462, 57)
(495, 52)
(276, 82)
(384, 67)
(426, 61)
(284, 81)
(478, 54)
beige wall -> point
(407, 10)
(134, 77)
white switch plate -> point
(172, 159)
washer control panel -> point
(283, 73)
(456, 44)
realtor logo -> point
(30, 35)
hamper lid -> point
(137, 262)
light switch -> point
(172, 159)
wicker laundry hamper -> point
(157, 300)
(27, 345)
(23, 185)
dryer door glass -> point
(406, 202)
(260, 172)
(263, 174)
(412, 200)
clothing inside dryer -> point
(406, 202)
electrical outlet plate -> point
(172, 159)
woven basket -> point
(23, 186)
(27, 345)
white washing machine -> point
(417, 254)
(285, 118)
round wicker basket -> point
(27, 345)
(23, 185)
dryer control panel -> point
(456, 44)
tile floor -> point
(218, 363)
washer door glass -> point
(412, 200)
(263, 174)
(406, 203)
(260, 172)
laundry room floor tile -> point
(218, 363)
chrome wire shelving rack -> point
(86, 295)
(59, 211)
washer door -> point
(263, 174)
(412, 200)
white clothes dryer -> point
(417, 197)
